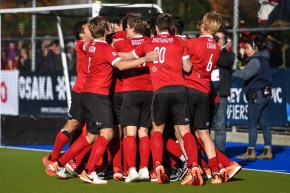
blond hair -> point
(211, 22)
(138, 24)
(98, 26)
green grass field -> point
(22, 172)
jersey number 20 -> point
(161, 57)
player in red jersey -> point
(169, 95)
(75, 116)
(137, 96)
(95, 101)
(204, 53)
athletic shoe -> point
(54, 167)
(196, 174)
(216, 178)
(106, 174)
(233, 169)
(45, 161)
(188, 178)
(175, 172)
(206, 173)
(71, 167)
(160, 172)
(143, 174)
(92, 178)
(153, 176)
(183, 171)
(132, 176)
(118, 174)
(224, 175)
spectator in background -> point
(56, 56)
(3, 58)
(24, 63)
(11, 64)
(44, 57)
(224, 64)
(287, 55)
(257, 88)
(71, 56)
(266, 8)
(275, 50)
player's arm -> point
(127, 64)
(126, 55)
(186, 64)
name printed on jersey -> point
(137, 42)
(162, 40)
(210, 45)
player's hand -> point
(150, 56)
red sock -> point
(144, 150)
(74, 150)
(83, 153)
(131, 149)
(115, 149)
(98, 149)
(173, 148)
(156, 146)
(190, 148)
(222, 158)
(213, 164)
(60, 140)
(125, 162)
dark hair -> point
(223, 31)
(164, 22)
(177, 25)
(257, 41)
(78, 28)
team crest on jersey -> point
(153, 68)
(114, 53)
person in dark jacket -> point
(257, 88)
(224, 64)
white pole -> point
(159, 3)
(33, 41)
(64, 62)
(235, 31)
(0, 81)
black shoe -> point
(174, 173)
(183, 171)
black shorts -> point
(116, 100)
(98, 112)
(172, 99)
(75, 111)
(199, 109)
(136, 108)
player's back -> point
(204, 53)
(167, 70)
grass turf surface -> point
(22, 172)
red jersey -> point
(134, 78)
(121, 34)
(81, 67)
(183, 37)
(100, 56)
(167, 70)
(204, 53)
